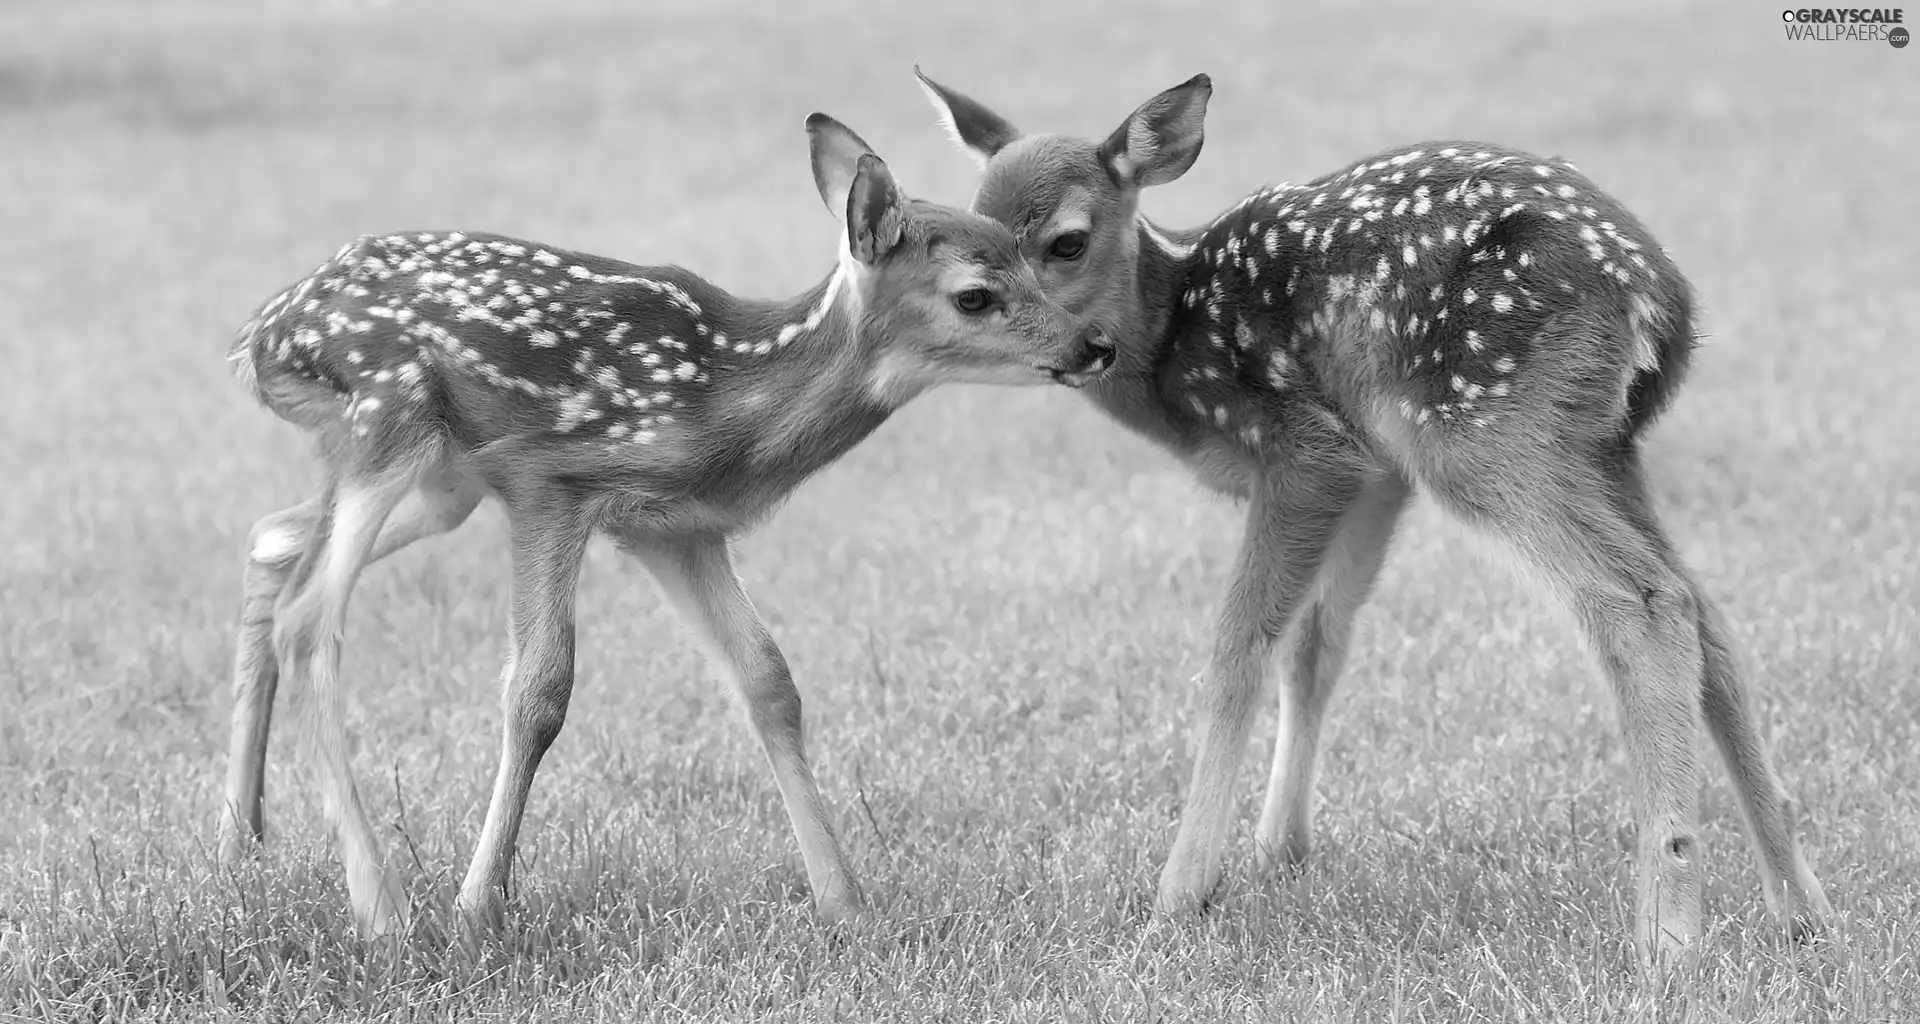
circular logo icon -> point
(1786, 15)
(1898, 37)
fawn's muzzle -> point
(1094, 357)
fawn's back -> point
(1438, 283)
(494, 335)
(1439, 309)
(619, 376)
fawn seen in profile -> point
(1471, 321)
(590, 396)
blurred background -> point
(994, 607)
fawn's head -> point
(1073, 203)
(944, 293)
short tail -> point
(300, 392)
(296, 390)
(1671, 337)
(241, 355)
(1653, 390)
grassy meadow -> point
(995, 607)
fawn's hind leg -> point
(1792, 892)
(308, 622)
(1642, 620)
(1352, 562)
(275, 543)
(273, 546)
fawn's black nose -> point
(1095, 357)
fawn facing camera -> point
(1472, 321)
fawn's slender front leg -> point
(549, 538)
(1291, 522)
(307, 634)
(697, 576)
(1320, 639)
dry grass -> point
(994, 607)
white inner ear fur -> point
(945, 115)
(842, 165)
(838, 188)
(1142, 146)
(899, 212)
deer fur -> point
(1455, 318)
(435, 369)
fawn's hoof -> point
(1187, 885)
(480, 919)
(383, 923)
(236, 846)
(1804, 909)
(1806, 927)
(1668, 946)
(1175, 903)
(379, 901)
(841, 907)
(1286, 860)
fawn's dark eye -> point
(1068, 246)
(973, 300)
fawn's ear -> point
(876, 211)
(973, 128)
(836, 153)
(1159, 141)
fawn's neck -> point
(1144, 308)
(801, 386)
